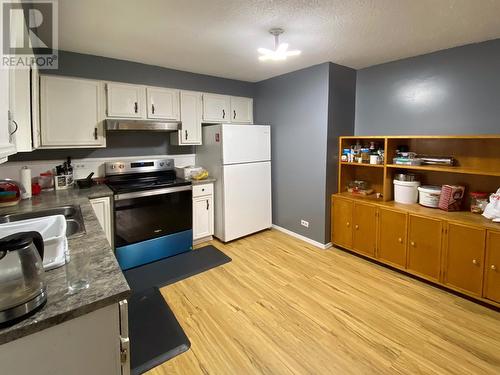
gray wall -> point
(298, 106)
(341, 103)
(139, 143)
(454, 91)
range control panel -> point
(138, 166)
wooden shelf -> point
(465, 136)
(363, 164)
(446, 169)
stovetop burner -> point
(142, 175)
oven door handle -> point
(148, 193)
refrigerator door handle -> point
(124, 338)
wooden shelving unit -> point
(477, 168)
(458, 250)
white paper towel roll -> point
(26, 182)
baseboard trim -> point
(303, 238)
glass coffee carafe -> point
(22, 286)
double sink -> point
(72, 213)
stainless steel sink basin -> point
(73, 214)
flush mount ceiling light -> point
(280, 51)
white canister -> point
(406, 191)
(429, 196)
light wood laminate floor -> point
(285, 307)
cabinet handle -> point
(493, 267)
(234, 114)
(185, 134)
(223, 114)
(474, 261)
(207, 205)
(95, 133)
(400, 240)
(15, 129)
(153, 109)
(356, 226)
(412, 243)
(348, 224)
(136, 107)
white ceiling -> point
(220, 37)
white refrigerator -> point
(239, 158)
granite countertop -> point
(201, 182)
(107, 283)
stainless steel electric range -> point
(152, 211)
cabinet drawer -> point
(200, 190)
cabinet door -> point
(7, 146)
(391, 244)
(191, 108)
(125, 100)
(365, 228)
(464, 259)
(162, 103)
(492, 277)
(203, 223)
(424, 250)
(102, 210)
(241, 110)
(216, 108)
(70, 112)
(342, 210)
(21, 110)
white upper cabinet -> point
(216, 108)
(191, 110)
(126, 101)
(6, 142)
(71, 112)
(21, 109)
(162, 103)
(241, 110)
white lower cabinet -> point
(203, 212)
(102, 209)
(95, 343)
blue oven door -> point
(152, 225)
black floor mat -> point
(155, 334)
(176, 268)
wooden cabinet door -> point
(216, 108)
(125, 100)
(391, 244)
(492, 276)
(203, 224)
(464, 258)
(241, 110)
(162, 103)
(342, 222)
(71, 112)
(424, 248)
(365, 228)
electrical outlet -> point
(304, 223)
